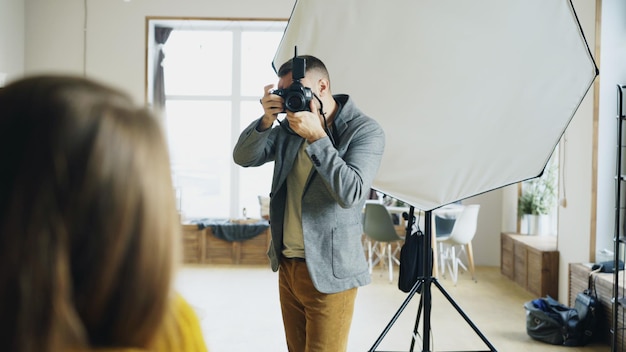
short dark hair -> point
(312, 64)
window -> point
(214, 73)
(537, 203)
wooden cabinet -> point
(507, 256)
(194, 244)
(202, 247)
(532, 262)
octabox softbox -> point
(472, 95)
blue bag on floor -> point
(549, 321)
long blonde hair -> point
(88, 224)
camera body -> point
(297, 97)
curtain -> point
(161, 34)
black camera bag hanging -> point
(411, 261)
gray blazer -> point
(334, 194)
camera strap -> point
(331, 130)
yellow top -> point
(183, 334)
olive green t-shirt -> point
(293, 238)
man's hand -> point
(272, 106)
(306, 124)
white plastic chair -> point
(383, 242)
(459, 242)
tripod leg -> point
(395, 317)
(428, 279)
(465, 317)
(417, 323)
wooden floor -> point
(239, 311)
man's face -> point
(286, 80)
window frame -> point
(236, 97)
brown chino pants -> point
(314, 321)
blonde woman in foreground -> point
(88, 225)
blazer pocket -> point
(348, 255)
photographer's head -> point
(316, 76)
(307, 101)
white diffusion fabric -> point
(472, 95)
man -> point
(325, 162)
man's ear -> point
(324, 86)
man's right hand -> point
(272, 106)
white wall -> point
(509, 208)
(116, 34)
(575, 219)
(486, 242)
(612, 73)
(12, 38)
(576, 171)
(54, 36)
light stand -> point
(424, 284)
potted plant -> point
(538, 198)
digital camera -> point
(297, 97)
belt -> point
(294, 259)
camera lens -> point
(295, 102)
